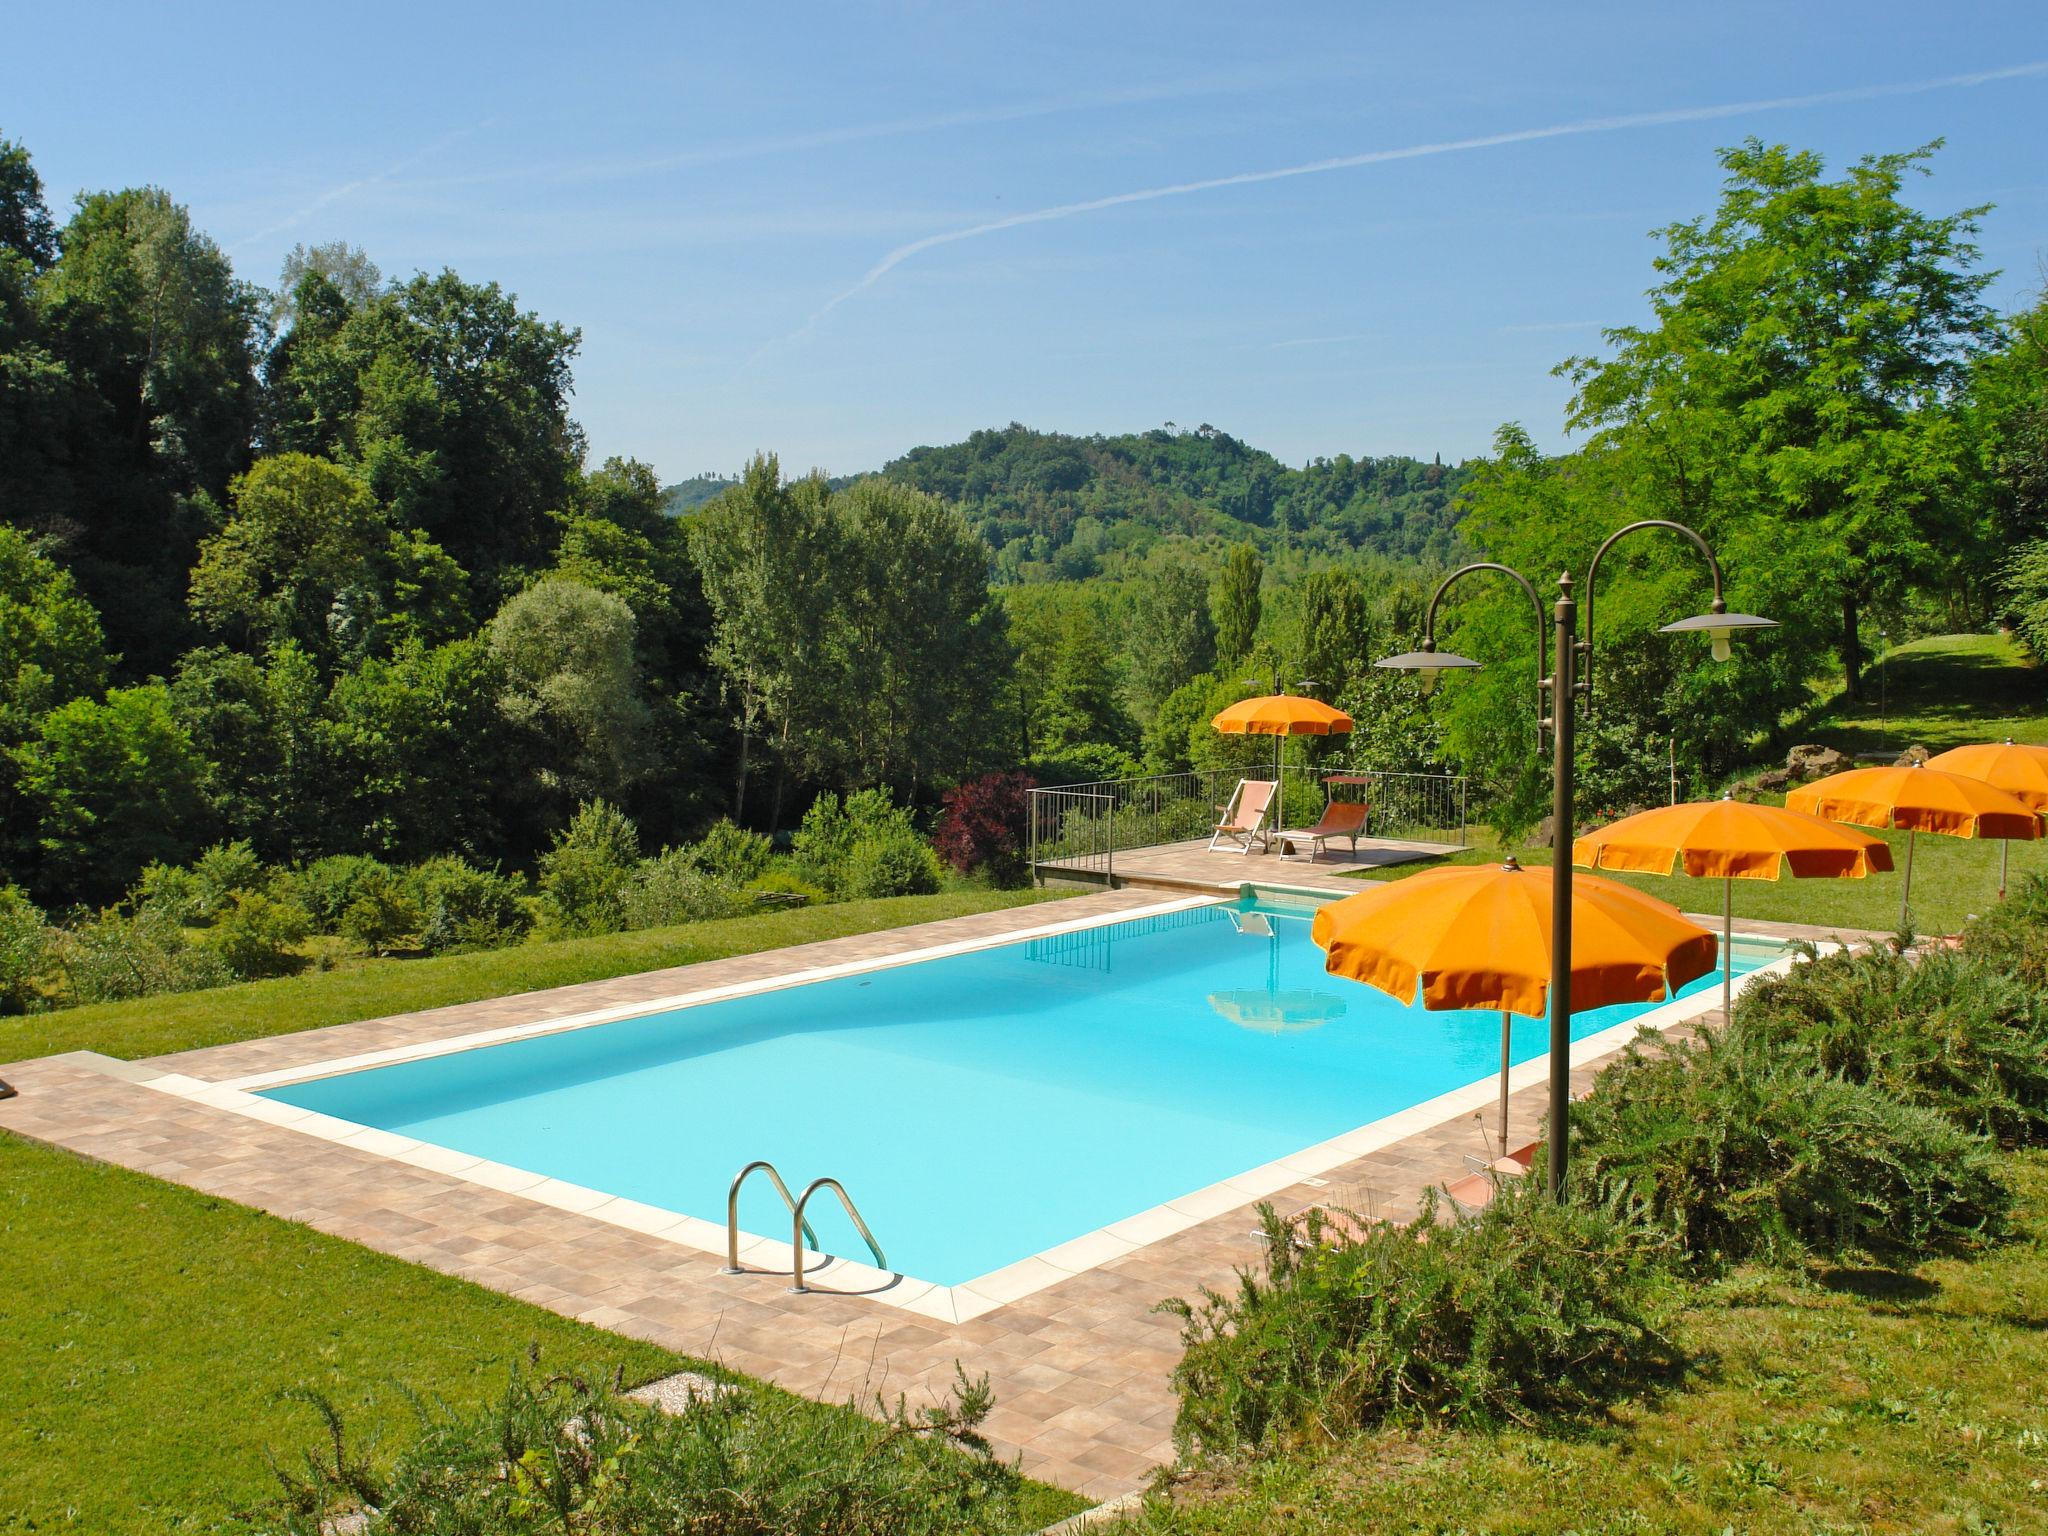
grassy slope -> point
(1943, 692)
(1852, 1402)
(153, 1025)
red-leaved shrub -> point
(982, 826)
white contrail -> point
(903, 253)
(336, 194)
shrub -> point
(889, 862)
(783, 882)
(566, 1455)
(730, 854)
(171, 889)
(2013, 936)
(1736, 1156)
(1949, 1032)
(380, 914)
(982, 826)
(584, 876)
(671, 888)
(25, 951)
(326, 887)
(463, 908)
(1530, 1308)
(219, 873)
(825, 846)
(255, 935)
(115, 955)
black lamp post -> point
(1570, 679)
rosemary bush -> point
(1951, 1032)
(1528, 1309)
(560, 1454)
(1735, 1156)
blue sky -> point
(706, 190)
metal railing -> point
(732, 1212)
(797, 1227)
(1082, 827)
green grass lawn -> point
(1952, 879)
(151, 1026)
(1836, 1402)
(1939, 692)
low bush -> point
(114, 955)
(220, 873)
(889, 862)
(865, 846)
(673, 888)
(584, 875)
(1528, 1309)
(381, 914)
(327, 887)
(785, 882)
(562, 1454)
(1949, 1031)
(26, 951)
(1734, 1156)
(257, 935)
(171, 889)
(730, 854)
(462, 908)
(982, 826)
(2013, 936)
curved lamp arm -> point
(1585, 646)
(1535, 606)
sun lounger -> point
(1341, 818)
(1243, 820)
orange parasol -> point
(1737, 841)
(1913, 800)
(1281, 715)
(2021, 772)
(1478, 936)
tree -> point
(26, 228)
(114, 785)
(1081, 704)
(1172, 636)
(346, 268)
(1235, 602)
(572, 685)
(1338, 635)
(1807, 339)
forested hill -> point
(1053, 506)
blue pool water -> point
(979, 1107)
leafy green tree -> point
(26, 228)
(1339, 637)
(153, 329)
(113, 785)
(256, 728)
(1082, 704)
(346, 268)
(572, 685)
(1235, 602)
(1807, 339)
(1172, 637)
(50, 638)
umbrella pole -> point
(1727, 948)
(1906, 891)
(1505, 1024)
(2004, 853)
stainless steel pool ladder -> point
(800, 1230)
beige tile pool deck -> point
(1078, 1358)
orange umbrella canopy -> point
(1479, 937)
(2021, 772)
(1732, 839)
(1917, 799)
(1282, 714)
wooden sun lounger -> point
(1243, 821)
(1341, 818)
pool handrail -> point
(797, 1225)
(732, 1214)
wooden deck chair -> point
(1341, 818)
(1244, 818)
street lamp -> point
(1570, 679)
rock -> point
(1770, 780)
(1813, 761)
(1913, 754)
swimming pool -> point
(980, 1107)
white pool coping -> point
(840, 1276)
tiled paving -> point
(1196, 864)
(1080, 1369)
